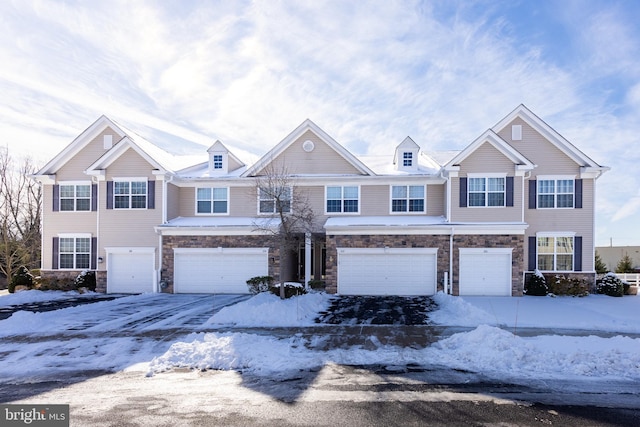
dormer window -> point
(407, 159)
(217, 161)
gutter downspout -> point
(449, 286)
(95, 180)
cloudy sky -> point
(185, 73)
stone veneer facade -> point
(440, 242)
(169, 243)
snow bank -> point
(489, 350)
(31, 296)
(266, 309)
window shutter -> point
(56, 248)
(94, 253)
(509, 190)
(578, 184)
(94, 197)
(109, 194)
(56, 198)
(151, 195)
(532, 253)
(463, 192)
(577, 253)
(533, 194)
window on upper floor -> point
(342, 199)
(486, 192)
(212, 200)
(130, 194)
(274, 201)
(407, 198)
(555, 193)
(75, 197)
(74, 252)
(217, 161)
(555, 253)
(407, 159)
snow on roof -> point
(221, 221)
(441, 157)
(383, 165)
(385, 221)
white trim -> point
(556, 234)
(221, 250)
(211, 213)
(496, 251)
(386, 250)
(342, 200)
(129, 249)
(428, 230)
(487, 175)
(407, 212)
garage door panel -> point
(373, 271)
(130, 271)
(485, 272)
(219, 270)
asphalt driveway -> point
(378, 310)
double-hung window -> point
(74, 252)
(407, 198)
(343, 199)
(211, 200)
(486, 191)
(130, 194)
(75, 197)
(274, 200)
(555, 253)
(555, 193)
(407, 159)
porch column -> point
(307, 258)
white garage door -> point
(485, 271)
(218, 270)
(391, 271)
(130, 270)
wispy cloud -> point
(369, 72)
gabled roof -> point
(550, 134)
(79, 143)
(500, 144)
(219, 147)
(407, 145)
(305, 126)
(121, 147)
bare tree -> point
(289, 206)
(20, 210)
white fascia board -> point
(44, 179)
(212, 231)
(80, 142)
(591, 172)
(444, 229)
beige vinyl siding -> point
(579, 221)
(54, 223)
(173, 200)
(375, 200)
(128, 227)
(436, 198)
(322, 160)
(75, 167)
(548, 158)
(486, 160)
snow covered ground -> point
(488, 347)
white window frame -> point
(408, 199)
(75, 253)
(212, 200)
(486, 177)
(342, 200)
(130, 194)
(75, 197)
(555, 194)
(407, 159)
(273, 200)
(555, 236)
